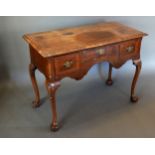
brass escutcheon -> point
(100, 51)
(130, 49)
(68, 64)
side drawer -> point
(67, 64)
(129, 48)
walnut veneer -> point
(72, 52)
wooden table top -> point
(63, 41)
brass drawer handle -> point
(100, 52)
(130, 49)
(68, 64)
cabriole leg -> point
(32, 69)
(109, 81)
(138, 65)
(52, 87)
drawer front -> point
(93, 55)
(129, 48)
(66, 64)
(87, 56)
(100, 54)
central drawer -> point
(99, 54)
(93, 55)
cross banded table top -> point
(63, 41)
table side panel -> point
(45, 65)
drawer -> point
(129, 48)
(110, 52)
(66, 64)
(92, 55)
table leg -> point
(32, 69)
(109, 81)
(138, 65)
(51, 88)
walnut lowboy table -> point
(72, 52)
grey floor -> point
(86, 108)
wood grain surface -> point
(63, 41)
